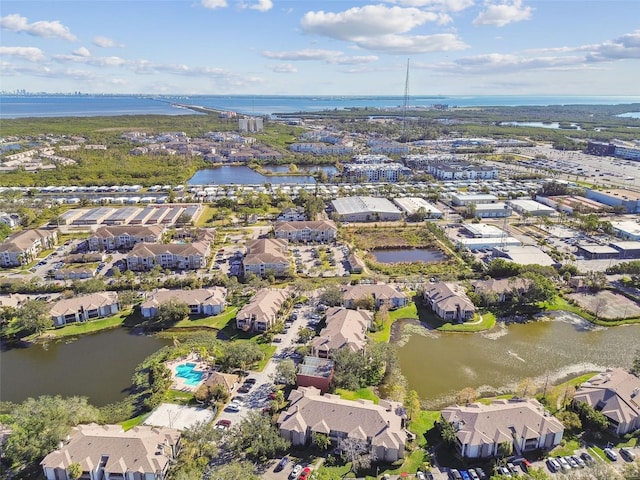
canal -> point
(439, 365)
(98, 366)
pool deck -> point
(180, 383)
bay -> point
(50, 105)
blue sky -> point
(308, 47)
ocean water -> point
(109, 105)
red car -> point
(306, 471)
(223, 424)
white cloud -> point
(283, 68)
(213, 4)
(327, 56)
(31, 54)
(303, 55)
(399, 44)
(503, 13)
(624, 47)
(104, 42)
(18, 23)
(367, 21)
(82, 52)
(260, 5)
(88, 60)
(440, 5)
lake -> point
(98, 366)
(241, 175)
(398, 255)
(438, 365)
(553, 125)
(329, 169)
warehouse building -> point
(365, 209)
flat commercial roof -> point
(348, 205)
(480, 243)
(628, 245)
(474, 196)
(531, 206)
(483, 230)
(621, 194)
(598, 249)
(413, 204)
(526, 255)
(628, 227)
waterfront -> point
(51, 105)
(497, 360)
(98, 366)
(241, 175)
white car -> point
(234, 406)
(296, 471)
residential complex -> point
(201, 301)
(84, 308)
(262, 311)
(380, 426)
(522, 423)
(110, 452)
(267, 256)
(23, 247)
(306, 231)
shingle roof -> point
(345, 328)
(134, 450)
(86, 302)
(201, 296)
(360, 419)
(616, 390)
(501, 421)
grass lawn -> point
(179, 397)
(363, 393)
(421, 425)
(487, 322)
(411, 463)
(557, 391)
(217, 322)
(76, 329)
(383, 335)
(135, 421)
(561, 304)
(268, 350)
(567, 447)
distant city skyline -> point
(334, 47)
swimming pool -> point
(187, 372)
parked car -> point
(465, 475)
(553, 465)
(580, 462)
(627, 454)
(223, 424)
(572, 463)
(504, 471)
(295, 472)
(564, 465)
(420, 475)
(304, 475)
(611, 455)
(454, 474)
(512, 468)
(472, 473)
(281, 464)
(481, 473)
(234, 406)
(588, 459)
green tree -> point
(355, 452)
(234, 471)
(240, 355)
(286, 371)
(91, 285)
(332, 296)
(257, 437)
(74, 470)
(34, 317)
(5, 231)
(172, 311)
(305, 334)
(570, 420)
(447, 432)
(127, 298)
(366, 303)
(321, 440)
(541, 288)
(412, 404)
(38, 424)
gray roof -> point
(136, 450)
(501, 421)
(200, 296)
(616, 390)
(350, 205)
(309, 410)
(87, 302)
